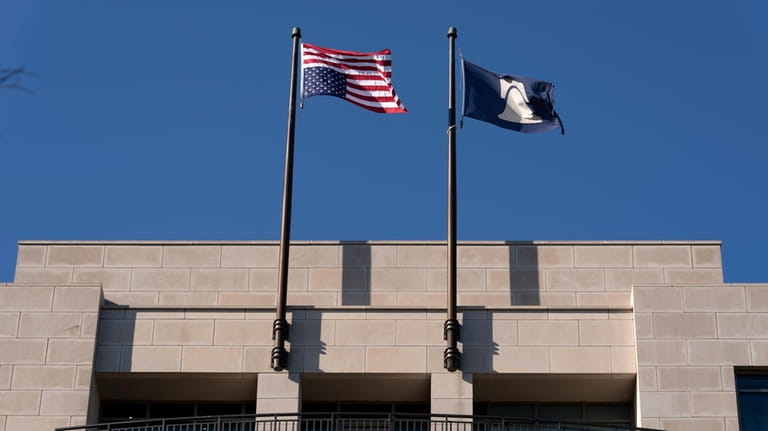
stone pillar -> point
(451, 393)
(278, 393)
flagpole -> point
(280, 326)
(451, 355)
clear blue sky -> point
(167, 120)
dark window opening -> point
(752, 399)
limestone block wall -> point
(47, 343)
(689, 339)
(379, 274)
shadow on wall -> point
(355, 273)
(524, 283)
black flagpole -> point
(451, 355)
(280, 326)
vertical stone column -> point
(278, 393)
(451, 393)
(47, 345)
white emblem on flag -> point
(516, 109)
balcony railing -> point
(349, 422)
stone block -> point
(548, 332)
(127, 332)
(43, 275)
(718, 352)
(367, 256)
(9, 324)
(511, 359)
(317, 299)
(474, 299)
(77, 299)
(603, 256)
(134, 256)
(493, 256)
(662, 256)
(644, 325)
(606, 333)
(365, 332)
(419, 333)
(251, 256)
(503, 332)
(74, 352)
(266, 280)
(419, 299)
(477, 330)
(338, 279)
(524, 280)
(473, 360)
(15, 351)
(332, 359)
(183, 332)
(108, 359)
(219, 280)
(278, 385)
(684, 325)
(657, 298)
(110, 279)
(693, 276)
(131, 298)
(75, 255)
(624, 279)
(189, 299)
(661, 352)
(151, 359)
(604, 299)
(665, 404)
(759, 350)
(719, 404)
(422, 256)
(706, 256)
(451, 406)
(689, 379)
(742, 325)
(623, 360)
(31, 255)
(220, 359)
(247, 299)
(27, 298)
(543, 256)
(14, 403)
(313, 332)
(191, 256)
(714, 298)
(693, 424)
(450, 385)
(314, 256)
(5, 376)
(396, 359)
(83, 378)
(245, 332)
(43, 377)
(54, 325)
(580, 359)
(35, 423)
(72, 403)
(646, 379)
(579, 280)
(155, 279)
(398, 280)
(757, 297)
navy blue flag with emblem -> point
(513, 102)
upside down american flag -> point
(363, 78)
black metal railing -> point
(349, 422)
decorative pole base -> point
(279, 358)
(451, 359)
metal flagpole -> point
(280, 325)
(451, 355)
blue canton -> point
(324, 81)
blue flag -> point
(513, 102)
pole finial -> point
(296, 32)
(452, 32)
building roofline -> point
(369, 242)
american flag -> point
(363, 78)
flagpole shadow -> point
(355, 273)
(524, 280)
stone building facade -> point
(642, 332)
